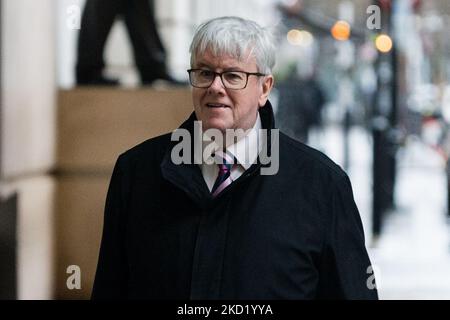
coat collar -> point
(188, 177)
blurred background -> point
(365, 81)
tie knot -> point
(225, 162)
(223, 159)
(224, 168)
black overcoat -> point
(296, 234)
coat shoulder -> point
(152, 147)
(302, 154)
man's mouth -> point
(216, 105)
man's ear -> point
(267, 85)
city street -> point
(411, 258)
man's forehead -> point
(209, 59)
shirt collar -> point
(246, 149)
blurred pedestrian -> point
(300, 106)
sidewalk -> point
(412, 255)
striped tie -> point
(223, 179)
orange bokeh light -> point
(341, 30)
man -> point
(237, 228)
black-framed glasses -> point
(235, 80)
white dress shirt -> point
(245, 151)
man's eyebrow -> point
(233, 69)
(204, 65)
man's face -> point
(221, 108)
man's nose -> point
(217, 83)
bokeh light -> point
(383, 43)
(341, 30)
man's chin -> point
(218, 125)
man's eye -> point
(205, 73)
(234, 76)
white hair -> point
(235, 36)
